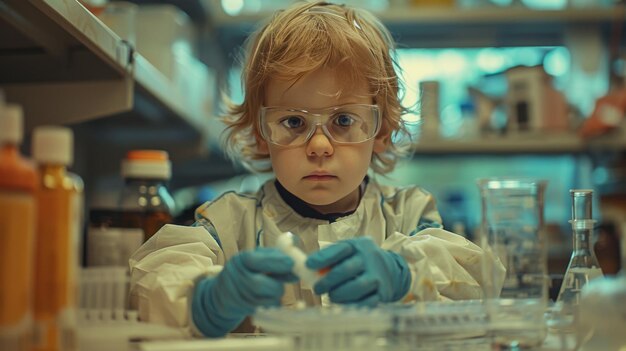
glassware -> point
(583, 265)
(337, 327)
(512, 230)
(60, 210)
(18, 221)
(145, 200)
(145, 205)
(602, 311)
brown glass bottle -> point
(142, 210)
(607, 248)
(144, 206)
(145, 201)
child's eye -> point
(292, 122)
(344, 120)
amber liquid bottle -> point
(145, 201)
(18, 182)
(144, 206)
(59, 203)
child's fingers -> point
(360, 288)
(343, 272)
(284, 277)
(267, 260)
(329, 256)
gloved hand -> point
(361, 273)
(249, 279)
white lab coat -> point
(404, 220)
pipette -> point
(309, 277)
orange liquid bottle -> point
(18, 181)
(59, 200)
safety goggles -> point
(346, 124)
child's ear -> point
(381, 142)
(261, 145)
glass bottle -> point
(602, 311)
(144, 206)
(18, 184)
(59, 213)
(583, 265)
(145, 201)
(607, 248)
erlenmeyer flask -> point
(583, 265)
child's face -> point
(321, 172)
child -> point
(321, 104)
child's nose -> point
(319, 144)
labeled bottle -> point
(60, 207)
(583, 265)
(429, 110)
(18, 183)
(607, 248)
(145, 201)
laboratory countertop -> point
(261, 342)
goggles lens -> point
(347, 124)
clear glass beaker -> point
(512, 230)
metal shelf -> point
(195, 9)
(521, 144)
(441, 27)
(65, 66)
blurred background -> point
(497, 88)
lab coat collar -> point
(305, 210)
(279, 217)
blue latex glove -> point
(361, 273)
(249, 279)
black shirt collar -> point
(305, 210)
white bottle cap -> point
(53, 145)
(147, 164)
(11, 124)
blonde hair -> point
(302, 39)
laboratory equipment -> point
(308, 277)
(533, 104)
(104, 321)
(450, 325)
(606, 247)
(264, 343)
(423, 326)
(59, 210)
(602, 311)
(337, 328)
(145, 200)
(429, 109)
(145, 205)
(18, 181)
(583, 265)
(512, 229)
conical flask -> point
(583, 265)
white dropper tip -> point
(307, 276)
(285, 241)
